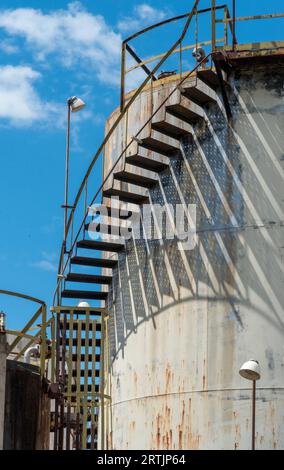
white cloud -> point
(143, 15)
(20, 102)
(8, 47)
(47, 263)
(74, 36)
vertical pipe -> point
(93, 385)
(69, 379)
(102, 372)
(78, 386)
(62, 404)
(67, 171)
(122, 77)
(180, 61)
(107, 381)
(213, 25)
(234, 24)
(72, 229)
(85, 397)
(57, 373)
(226, 16)
(253, 414)
(85, 205)
(53, 346)
(43, 340)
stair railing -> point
(38, 338)
(134, 138)
(61, 268)
(176, 47)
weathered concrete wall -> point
(184, 322)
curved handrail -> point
(117, 121)
(22, 296)
(22, 333)
(169, 20)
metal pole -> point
(102, 381)
(213, 24)
(43, 340)
(122, 77)
(57, 373)
(253, 414)
(234, 24)
(67, 170)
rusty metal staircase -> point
(96, 249)
(83, 399)
(147, 154)
(151, 154)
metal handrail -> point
(170, 20)
(134, 138)
(162, 23)
(41, 312)
(228, 20)
(176, 51)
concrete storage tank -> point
(184, 321)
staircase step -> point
(198, 91)
(148, 159)
(81, 294)
(100, 245)
(89, 278)
(82, 357)
(98, 262)
(106, 228)
(108, 211)
(76, 321)
(89, 388)
(127, 193)
(144, 178)
(160, 142)
(83, 342)
(210, 77)
(83, 326)
(172, 125)
(89, 373)
(187, 110)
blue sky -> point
(50, 50)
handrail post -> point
(43, 340)
(234, 25)
(111, 130)
(122, 77)
(52, 349)
(66, 172)
(213, 25)
(226, 16)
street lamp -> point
(74, 105)
(250, 370)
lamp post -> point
(74, 105)
(250, 370)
